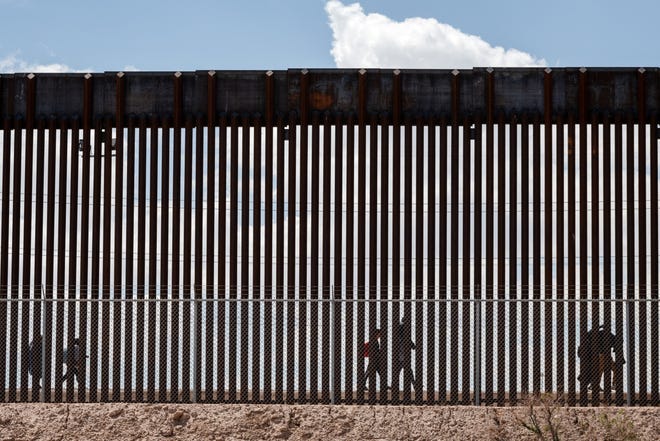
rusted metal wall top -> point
(630, 92)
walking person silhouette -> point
(403, 345)
(372, 351)
(34, 361)
(74, 358)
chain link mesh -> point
(332, 350)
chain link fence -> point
(479, 351)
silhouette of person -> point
(74, 358)
(372, 350)
(403, 345)
(34, 361)
(595, 354)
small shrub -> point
(542, 418)
(617, 428)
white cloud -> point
(374, 40)
(12, 63)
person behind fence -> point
(34, 360)
(595, 354)
(74, 358)
(402, 347)
(372, 351)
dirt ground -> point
(266, 422)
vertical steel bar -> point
(643, 257)
(233, 259)
(245, 253)
(403, 327)
(279, 280)
(120, 83)
(349, 263)
(595, 238)
(513, 261)
(478, 209)
(222, 257)
(524, 256)
(302, 253)
(314, 261)
(338, 307)
(361, 234)
(467, 266)
(396, 219)
(584, 268)
(291, 261)
(141, 260)
(373, 241)
(187, 269)
(176, 239)
(572, 347)
(165, 258)
(96, 263)
(210, 292)
(24, 317)
(61, 252)
(430, 253)
(490, 203)
(560, 268)
(73, 234)
(325, 306)
(618, 246)
(536, 259)
(455, 179)
(106, 141)
(198, 304)
(501, 260)
(607, 243)
(129, 258)
(655, 320)
(155, 140)
(4, 247)
(15, 257)
(442, 256)
(419, 259)
(257, 325)
(50, 260)
(268, 236)
(630, 241)
(548, 129)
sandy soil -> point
(257, 422)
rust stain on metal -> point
(321, 100)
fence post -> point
(626, 333)
(332, 345)
(477, 353)
(42, 395)
(194, 351)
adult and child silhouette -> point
(596, 360)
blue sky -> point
(72, 35)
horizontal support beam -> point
(629, 92)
